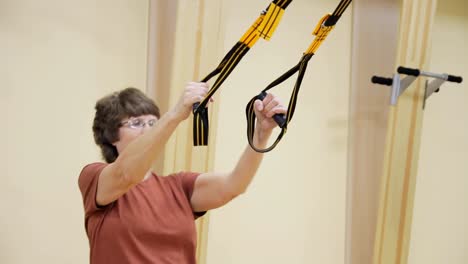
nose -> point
(145, 128)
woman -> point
(135, 216)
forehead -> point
(144, 117)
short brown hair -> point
(111, 110)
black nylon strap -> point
(282, 3)
(283, 120)
(201, 122)
(331, 21)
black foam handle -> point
(408, 71)
(280, 119)
(382, 80)
(457, 79)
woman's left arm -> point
(214, 189)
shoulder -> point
(185, 179)
(89, 172)
(93, 165)
(182, 176)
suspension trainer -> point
(263, 27)
(321, 31)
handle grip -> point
(408, 71)
(457, 79)
(382, 80)
(280, 119)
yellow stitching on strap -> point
(319, 40)
(197, 129)
(270, 21)
(252, 33)
(202, 135)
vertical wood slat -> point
(190, 44)
(210, 40)
(161, 38)
(375, 37)
(403, 138)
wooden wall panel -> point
(403, 138)
(374, 46)
(187, 39)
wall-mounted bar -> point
(400, 85)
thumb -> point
(258, 105)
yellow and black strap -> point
(263, 27)
(323, 28)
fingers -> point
(258, 105)
(195, 92)
(194, 88)
(272, 105)
(268, 98)
(280, 109)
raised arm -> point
(136, 158)
(215, 189)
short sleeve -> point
(188, 183)
(88, 183)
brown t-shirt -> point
(152, 223)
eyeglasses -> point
(138, 123)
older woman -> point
(133, 215)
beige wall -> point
(440, 229)
(57, 58)
(294, 211)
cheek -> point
(126, 136)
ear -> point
(117, 146)
(116, 142)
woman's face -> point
(133, 127)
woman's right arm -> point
(136, 159)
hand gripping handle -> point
(280, 119)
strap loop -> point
(321, 31)
(250, 113)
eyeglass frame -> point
(128, 123)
